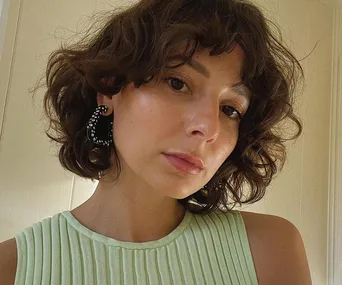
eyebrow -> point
(239, 88)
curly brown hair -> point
(137, 43)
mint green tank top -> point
(209, 249)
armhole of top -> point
(21, 245)
(246, 245)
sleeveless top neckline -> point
(129, 245)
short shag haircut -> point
(137, 43)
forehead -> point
(227, 61)
(226, 66)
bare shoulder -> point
(8, 261)
(277, 249)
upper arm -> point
(277, 249)
(8, 261)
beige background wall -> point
(32, 183)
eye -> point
(177, 84)
(232, 112)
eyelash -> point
(240, 116)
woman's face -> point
(187, 112)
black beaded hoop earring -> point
(96, 130)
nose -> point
(204, 122)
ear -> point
(105, 100)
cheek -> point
(230, 137)
(136, 125)
(225, 145)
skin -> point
(142, 205)
(278, 250)
(192, 120)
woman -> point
(174, 107)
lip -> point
(183, 165)
(198, 162)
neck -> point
(131, 216)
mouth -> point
(197, 161)
(183, 165)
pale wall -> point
(32, 183)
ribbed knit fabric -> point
(207, 249)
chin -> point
(181, 195)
